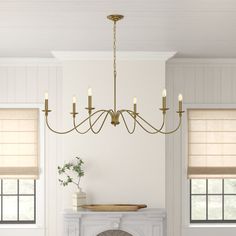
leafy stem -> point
(70, 169)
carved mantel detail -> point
(146, 222)
(114, 233)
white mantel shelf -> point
(145, 222)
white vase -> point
(78, 199)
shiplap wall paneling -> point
(178, 88)
(27, 83)
(20, 84)
(169, 157)
(11, 84)
(227, 85)
(204, 82)
(188, 90)
(199, 73)
(212, 85)
(233, 83)
(52, 154)
(32, 76)
(4, 85)
(59, 150)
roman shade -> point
(211, 143)
(19, 148)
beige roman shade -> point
(212, 143)
(19, 151)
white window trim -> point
(40, 189)
(185, 182)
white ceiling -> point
(193, 28)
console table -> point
(145, 222)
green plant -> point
(70, 169)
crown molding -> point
(107, 55)
(189, 61)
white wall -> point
(119, 167)
(202, 81)
(25, 81)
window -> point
(19, 165)
(212, 165)
(18, 201)
(212, 200)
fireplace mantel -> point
(146, 222)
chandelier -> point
(97, 118)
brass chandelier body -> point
(97, 118)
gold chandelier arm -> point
(70, 130)
(103, 122)
(152, 132)
(151, 126)
(82, 122)
(57, 132)
(127, 127)
(174, 130)
(163, 132)
(76, 129)
(86, 131)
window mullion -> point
(18, 201)
(190, 181)
(206, 199)
(34, 200)
(1, 200)
(223, 199)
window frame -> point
(18, 195)
(207, 194)
(186, 223)
(40, 189)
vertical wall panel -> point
(20, 84)
(189, 89)
(60, 208)
(170, 73)
(226, 85)
(31, 84)
(52, 151)
(212, 84)
(233, 84)
(4, 84)
(179, 88)
(200, 90)
(203, 82)
(26, 83)
(11, 81)
(42, 82)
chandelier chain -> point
(114, 63)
